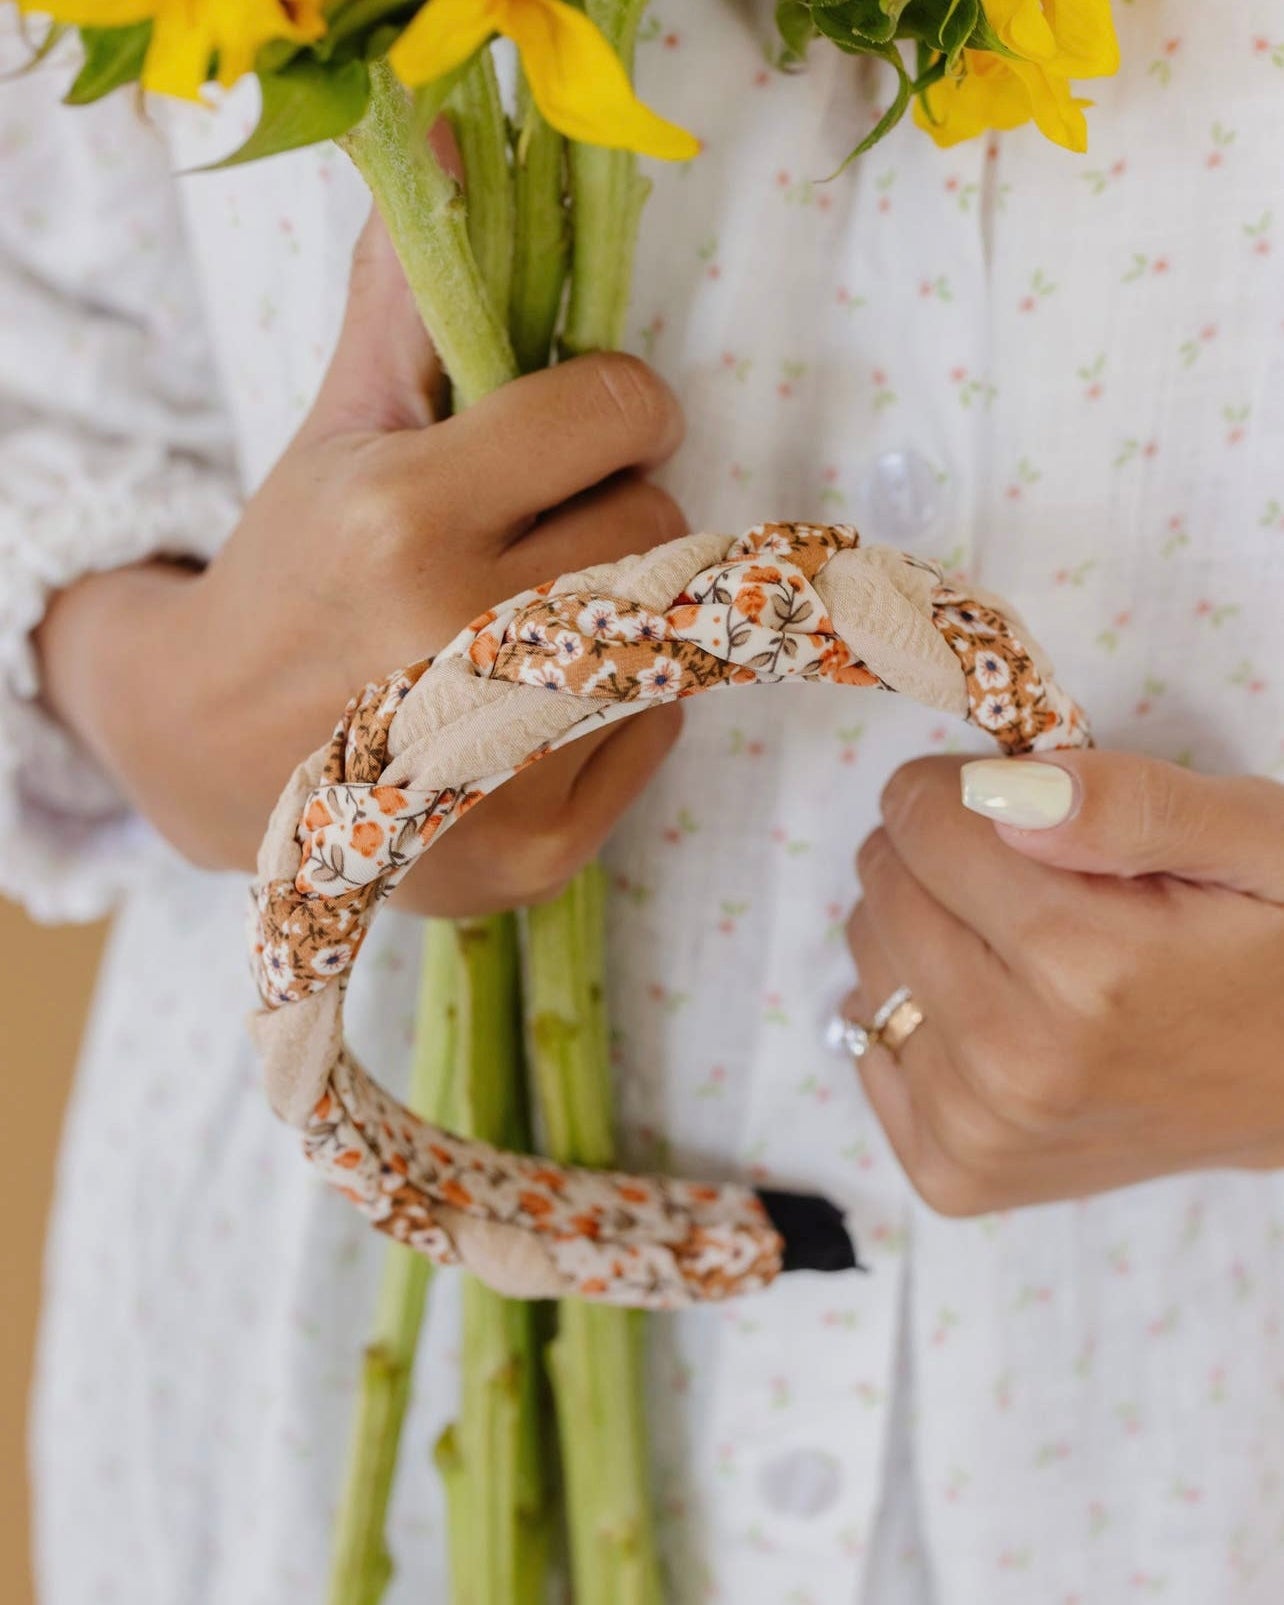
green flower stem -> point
(596, 1360)
(426, 217)
(607, 197)
(425, 213)
(476, 114)
(362, 1566)
(491, 1459)
(543, 240)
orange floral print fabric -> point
(753, 617)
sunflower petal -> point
(1086, 40)
(93, 13)
(443, 35)
(985, 96)
(178, 58)
(258, 22)
(1052, 105)
(579, 83)
(1023, 27)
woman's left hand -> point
(1102, 990)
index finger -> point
(549, 436)
(959, 859)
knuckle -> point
(874, 858)
(1054, 938)
(641, 400)
(911, 790)
(379, 513)
(1029, 1085)
(1047, 1090)
(539, 862)
(1161, 816)
(975, 1137)
(949, 1190)
(1084, 971)
(857, 928)
(660, 513)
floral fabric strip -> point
(648, 1241)
(755, 616)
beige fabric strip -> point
(783, 601)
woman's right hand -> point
(379, 534)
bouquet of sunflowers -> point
(535, 264)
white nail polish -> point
(1015, 791)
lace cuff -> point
(70, 506)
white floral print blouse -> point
(1061, 376)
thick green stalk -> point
(425, 213)
(596, 1363)
(362, 1566)
(481, 131)
(543, 242)
(426, 217)
(607, 197)
(596, 1360)
(491, 1458)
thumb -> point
(1116, 813)
(384, 374)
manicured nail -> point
(1015, 791)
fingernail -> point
(1032, 796)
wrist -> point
(112, 651)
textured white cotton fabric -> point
(1064, 377)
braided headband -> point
(414, 752)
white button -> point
(802, 1482)
(902, 495)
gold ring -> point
(896, 1021)
(893, 1025)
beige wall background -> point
(40, 1029)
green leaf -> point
(113, 56)
(303, 104)
(893, 114)
(359, 19)
(855, 25)
(796, 27)
(956, 28)
(983, 37)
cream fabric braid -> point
(416, 751)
